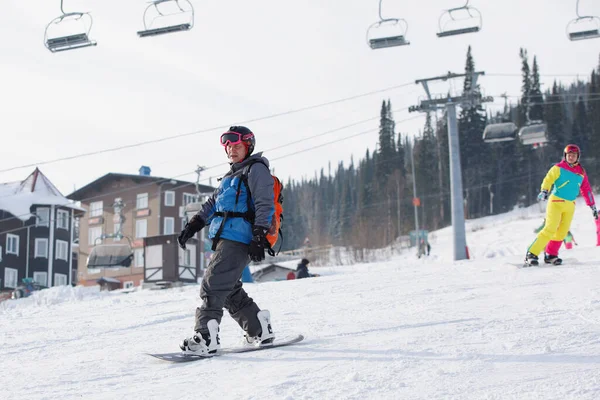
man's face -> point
(572, 158)
(236, 152)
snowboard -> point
(181, 357)
(524, 265)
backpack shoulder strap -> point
(246, 172)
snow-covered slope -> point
(408, 328)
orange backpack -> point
(275, 229)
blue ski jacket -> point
(223, 199)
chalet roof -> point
(18, 197)
(82, 193)
(262, 269)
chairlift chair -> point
(448, 19)
(110, 256)
(378, 34)
(583, 27)
(117, 255)
(534, 132)
(501, 132)
(160, 16)
(72, 41)
(381, 42)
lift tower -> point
(469, 99)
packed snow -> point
(406, 328)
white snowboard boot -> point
(266, 336)
(203, 344)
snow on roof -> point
(18, 197)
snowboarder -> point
(237, 239)
(569, 179)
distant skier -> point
(236, 241)
(569, 179)
(302, 269)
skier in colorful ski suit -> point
(237, 240)
(569, 179)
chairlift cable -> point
(220, 127)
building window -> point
(128, 284)
(169, 199)
(141, 201)
(141, 228)
(41, 248)
(96, 209)
(154, 256)
(183, 222)
(138, 257)
(169, 226)
(62, 250)
(62, 219)
(12, 244)
(42, 216)
(187, 257)
(60, 279)
(189, 198)
(10, 277)
(41, 278)
(0, 254)
(93, 234)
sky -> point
(395, 328)
(266, 64)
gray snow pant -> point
(222, 287)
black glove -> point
(258, 243)
(543, 195)
(594, 212)
(190, 230)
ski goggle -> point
(233, 138)
(572, 149)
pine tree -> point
(581, 125)
(525, 88)
(400, 184)
(536, 100)
(556, 119)
(386, 144)
(473, 150)
(443, 170)
(426, 169)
